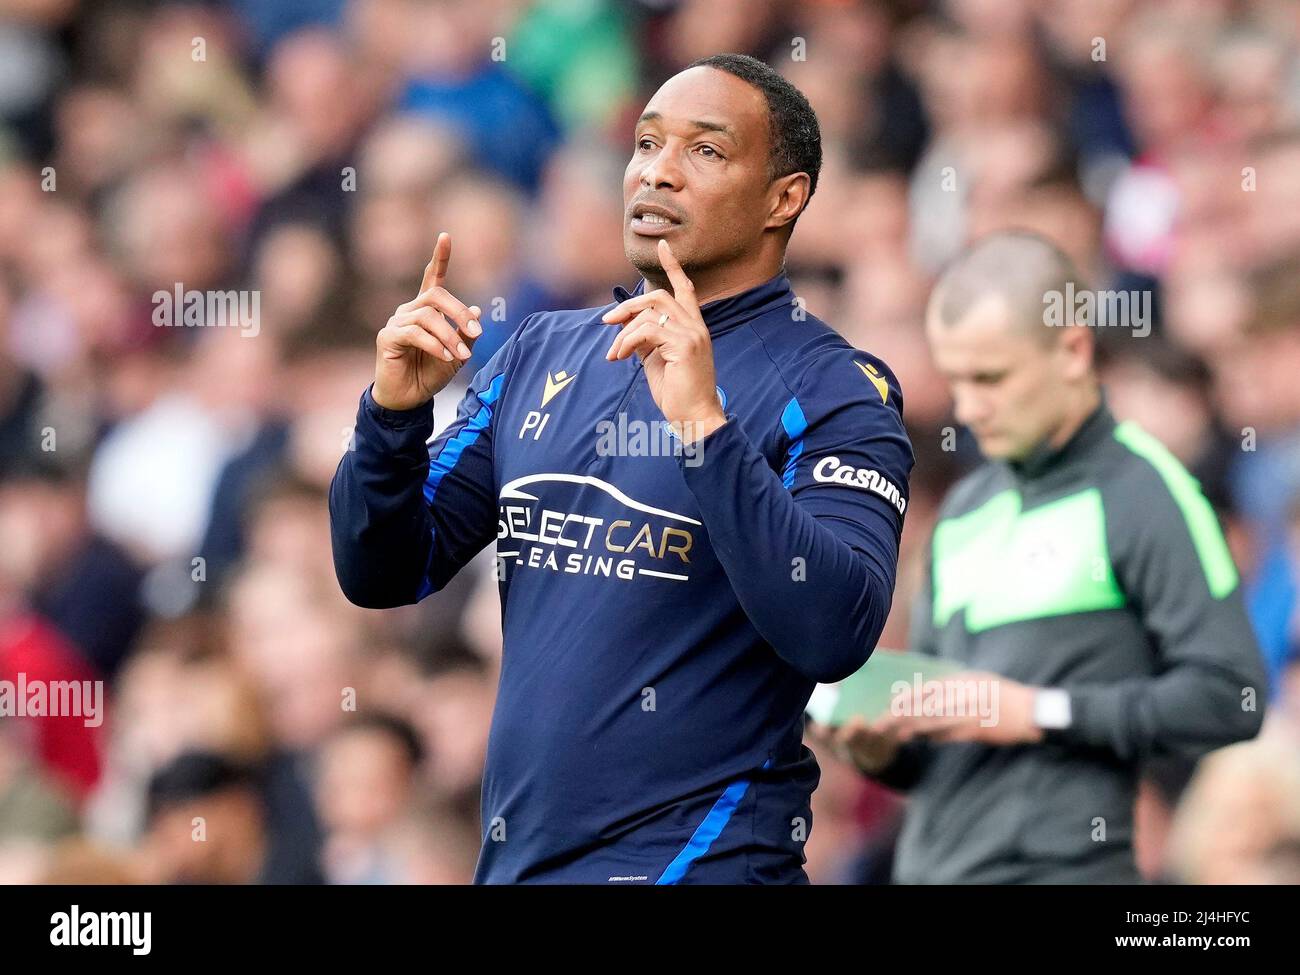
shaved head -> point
(1017, 382)
(1017, 269)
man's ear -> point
(787, 197)
(1078, 347)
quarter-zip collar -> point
(1044, 459)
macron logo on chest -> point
(535, 420)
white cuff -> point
(1052, 708)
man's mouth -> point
(649, 220)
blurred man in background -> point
(367, 776)
(207, 823)
(1082, 580)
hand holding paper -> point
(867, 693)
(899, 695)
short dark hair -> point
(194, 775)
(795, 138)
(398, 730)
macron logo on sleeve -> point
(876, 379)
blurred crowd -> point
(163, 520)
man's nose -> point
(662, 171)
(971, 409)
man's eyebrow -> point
(713, 127)
(695, 123)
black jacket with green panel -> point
(1100, 569)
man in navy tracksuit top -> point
(696, 495)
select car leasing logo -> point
(877, 380)
(111, 929)
(634, 540)
(555, 384)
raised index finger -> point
(683, 290)
(436, 270)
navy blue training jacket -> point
(666, 608)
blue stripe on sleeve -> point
(451, 451)
(794, 423)
(449, 456)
